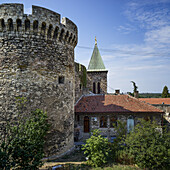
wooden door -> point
(86, 124)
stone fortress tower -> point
(37, 62)
(97, 73)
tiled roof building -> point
(156, 100)
(114, 104)
(101, 111)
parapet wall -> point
(43, 22)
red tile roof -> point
(156, 100)
(113, 103)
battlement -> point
(42, 22)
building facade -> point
(104, 110)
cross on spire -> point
(95, 41)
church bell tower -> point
(97, 73)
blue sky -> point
(133, 38)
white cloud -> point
(126, 29)
(146, 63)
(149, 67)
(149, 14)
(108, 57)
(158, 36)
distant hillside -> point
(150, 95)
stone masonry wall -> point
(98, 76)
(80, 80)
(94, 121)
(37, 62)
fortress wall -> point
(38, 64)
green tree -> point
(148, 146)
(165, 93)
(120, 156)
(134, 87)
(97, 149)
(22, 141)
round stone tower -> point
(37, 62)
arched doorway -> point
(86, 124)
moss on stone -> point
(83, 77)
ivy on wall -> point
(84, 77)
(81, 70)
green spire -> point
(96, 62)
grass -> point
(76, 161)
(84, 166)
(118, 167)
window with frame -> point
(148, 118)
(130, 123)
(94, 121)
(113, 121)
(61, 79)
(103, 122)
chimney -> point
(136, 94)
(117, 91)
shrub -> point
(118, 145)
(22, 145)
(97, 149)
(148, 146)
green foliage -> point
(83, 77)
(165, 93)
(97, 149)
(148, 146)
(149, 95)
(24, 141)
(121, 131)
(120, 155)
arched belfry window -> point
(27, 25)
(10, 24)
(94, 87)
(130, 123)
(43, 28)
(3, 24)
(98, 87)
(19, 24)
(35, 26)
